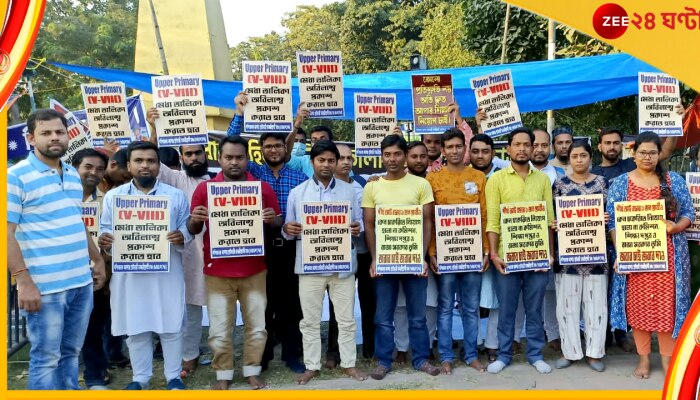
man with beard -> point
(519, 182)
(91, 165)
(232, 279)
(312, 286)
(562, 137)
(398, 187)
(283, 311)
(148, 303)
(194, 171)
(48, 254)
(540, 160)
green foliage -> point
(443, 38)
(99, 33)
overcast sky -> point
(244, 19)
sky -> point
(244, 19)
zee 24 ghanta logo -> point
(611, 21)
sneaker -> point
(133, 386)
(175, 384)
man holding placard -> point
(395, 195)
(520, 183)
(460, 198)
(321, 216)
(232, 207)
(149, 295)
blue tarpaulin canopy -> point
(539, 85)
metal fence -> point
(16, 325)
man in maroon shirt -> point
(234, 278)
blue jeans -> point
(533, 286)
(468, 286)
(387, 290)
(56, 333)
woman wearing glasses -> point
(653, 301)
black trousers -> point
(283, 312)
(368, 305)
(94, 354)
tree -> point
(271, 46)
(100, 33)
(443, 36)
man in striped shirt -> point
(49, 252)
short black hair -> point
(322, 146)
(44, 114)
(394, 140)
(141, 145)
(84, 153)
(301, 131)
(562, 130)
(610, 131)
(272, 135)
(235, 139)
(413, 145)
(482, 138)
(120, 157)
(321, 128)
(169, 156)
(515, 131)
(451, 134)
(581, 143)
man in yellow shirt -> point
(457, 184)
(398, 188)
(519, 182)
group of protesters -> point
(74, 303)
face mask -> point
(299, 149)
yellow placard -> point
(525, 236)
(640, 236)
(399, 231)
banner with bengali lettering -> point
(640, 236)
(399, 232)
(693, 181)
(525, 236)
(495, 94)
(659, 94)
(269, 88)
(581, 229)
(105, 105)
(431, 96)
(375, 117)
(235, 219)
(326, 242)
(320, 76)
(140, 225)
(458, 238)
(180, 102)
(91, 218)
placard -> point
(640, 236)
(140, 225)
(458, 238)
(78, 133)
(525, 236)
(326, 240)
(659, 94)
(321, 83)
(495, 94)
(399, 232)
(693, 181)
(180, 102)
(269, 88)
(235, 219)
(581, 229)
(375, 117)
(105, 106)
(91, 218)
(431, 96)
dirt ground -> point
(518, 376)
